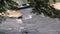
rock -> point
(56, 5)
(13, 13)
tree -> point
(43, 6)
(7, 5)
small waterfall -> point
(20, 23)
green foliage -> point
(43, 6)
(7, 4)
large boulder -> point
(13, 13)
(56, 5)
